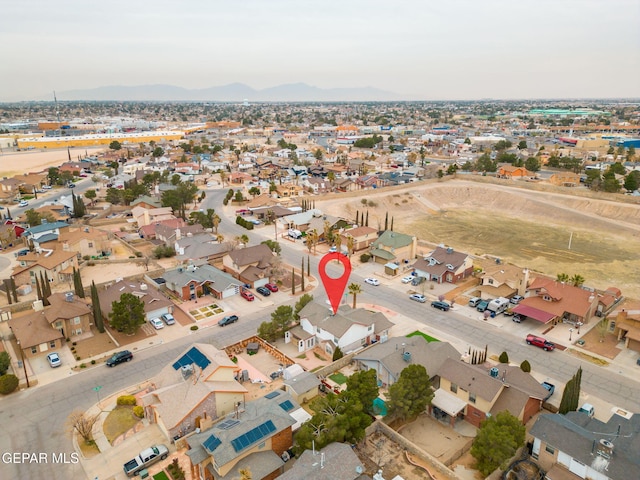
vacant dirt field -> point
(550, 231)
(39, 160)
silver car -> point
(168, 318)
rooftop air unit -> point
(406, 356)
(68, 296)
(494, 372)
(605, 448)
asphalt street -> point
(34, 421)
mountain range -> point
(234, 92)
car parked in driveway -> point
(444, 306)
(264, 291)
(482, 306)
(156, 323)
(272, 287)
(228, 320)
(168, 318)
(407, 279)
(247, 295)
(418, 297)
(119, 357)
(516, 299)
(540, 342)
(54, 360)
(372, 281)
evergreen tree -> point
(127, 314)
(308, 266)
(7, 289)
(98, 320)
(411, 394)
(386, 221)
(38, 291)
(366, 221)
(392, 224)
(504, 358)
(302, 276)
(525, 366)
(293, 282)
(14, 290)
(497, 440)
(77, 283)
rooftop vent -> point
(68, 296)
(406, 356)
(494, 372)
(605, 448)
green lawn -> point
(338, 378)
(160, 476)
(423, 335)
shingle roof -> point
(44, 227)
(336, 461)
(303, 382)
(33, 329)
(338, 324)
(472, 378)
(260, 254)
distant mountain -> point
(234, 92)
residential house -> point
(147, 216)
(363, 237)
(473, 393)
(336, 461)
(155, 304)
(10, 231)
(147, 202)
(251, 265)
(57, 265)
(289, 190)
(72, 167)
(199, 384)
(394, 247)
(627, 328)
(444, 265)
(502, 280)
(578, 446)
(565, 179)
(194, 281)
(317, 185)
(69, 314)
(253, 438)
(240, 178)
(34, 334)
(388, 359)
(201, 248)
(45, 232)
(548, 300)
(349, 329)
(511, 171)
(86, 241)
(11, 186)
(32, 181)
(345, 185)
(302, 387)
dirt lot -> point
(39, 160)
(515, 222)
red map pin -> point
(334, 286)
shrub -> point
(126, 400)
(504, 358)
(74, 344)
(525, 366)
(8, 383)
(86, 257)
(83, 365)
(138, 254)
(365, 257)
(337, 354)
(194, 327)
(93, 362)
(5, 361)
(77, 357)
(90, 264)
(138, 411)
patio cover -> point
(448, 403)
(534, 313)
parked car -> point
(47, 187)
(588, 409)
(156, 323)
(145, 458)
(22, 253)
(418, 297)
(119, 357)
(272, 287)
(407, 279)
(372, 281)
(54, 360)
(333, 249)
(264, 291)
(228, 320)
(255, 221)
(540, 342)
(417, 280)
(168, 318)
(517, 318)
(550, 388)
(23, 203)
(516, 299)
(71, 185)
(482, 306)
(247, 295)
(444, 306)
(474, 301)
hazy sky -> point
(445, 49)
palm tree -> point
(215, 220)
(350, 244)
(577, 280)
(562, 277)
(355, 290)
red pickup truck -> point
(540, 342)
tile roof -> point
(565, 297)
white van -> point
(474, 301)
(295, 234)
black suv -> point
(119, 357)
(228, 320)
(264, 291)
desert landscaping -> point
(548, 230)
(40, 160)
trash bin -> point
(144, 473)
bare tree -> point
(82, 424)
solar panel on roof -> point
(211, 443)
(273, 394)
(253, 436)
(227, 424)
(192, 356)
(286, 405)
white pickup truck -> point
(146, 457)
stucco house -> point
(199, 383)
(394, 247)
(444, 265)
(192, 281)
(57, 265)
(251, 265)
(473, 393)
(578, 446)
(254, 437)
(302, 387)
(388, 359)
(349, 329)
(155, 304)
(502, 280)
(147, 216)
(363, 237)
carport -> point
(445, 403)
(539, 315)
